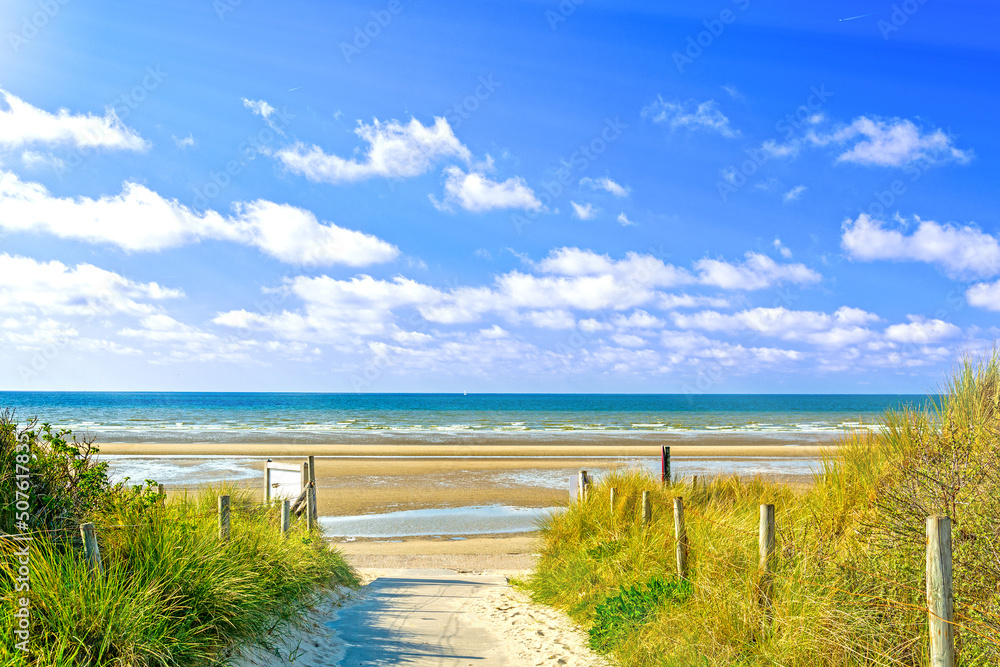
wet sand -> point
(429, 476)
(506, 553)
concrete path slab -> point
(419, 617)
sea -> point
(344, 418)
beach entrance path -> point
(420, 617)
(423, 616)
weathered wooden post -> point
(162, 495)
(766, 546)
(312, 483)
(680, 532)
(286, 516)
(647, 510)
(665, 464)
(267, 483)
(91, 551)
(224, 518)
(310, 507)
(612, 493)
(582, 486)
(940, 600)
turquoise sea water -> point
(302, 417)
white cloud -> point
(169, 341)
(605, 184)
(691, 348)
(637, 319)
(845, 326)
(551, 319)
(495, 331)
(774, 149)
(295, 236)
(921, 330)
(21, 124)
(629, 340)
(185, 142)
(285, 232)
(733, 92)
(571, 280)
(591, 325)
(259, 107)
(337, 310)
(892, 143)
(477, 193)
(394, 151)
(783, 249)
(265, 111)
(476, 354)
(623, 220)
(35, 160)
(44, 303)
(672, 301)
(960, 251)
(584, 211)
(984, 295)
(757, 272)
(552, 294)
(794, 193)
(705, 115)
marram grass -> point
(848, 584)
(172, 593)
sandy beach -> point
(373, 478)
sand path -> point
(427, 616)
(420, 617)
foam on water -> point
(186, 471)
(276, 417)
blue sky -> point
(735, 196)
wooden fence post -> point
(612, 492)
(665, 464)
(647, 510)
(582, 486)
(940, 600)
(224, 518)
(766, 547)
(267, 483)
(91, 550)
(681, 534)
(161, 492)
(286, 516)
(310, 507)
(312, 483)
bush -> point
(620, 615)
(61, 476)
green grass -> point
(172, 592)
(849, 570)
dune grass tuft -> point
(848, 585)
(172, 593)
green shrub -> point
(60, 475)
(622, 614)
